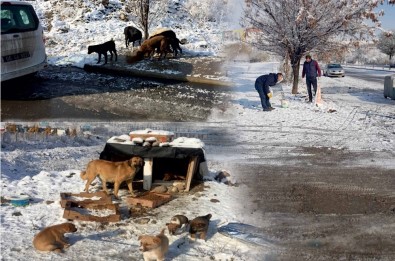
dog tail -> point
(82, 175)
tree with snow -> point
(291, 28)
(386, 44)
(146, 12)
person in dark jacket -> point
(262, 84)
(311, 70)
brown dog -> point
(177, 222)
(52, 238)
(154, 247)
(114, 172)
(199, 225)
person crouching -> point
(262, 84)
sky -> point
(388, 20)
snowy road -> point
(368, 74)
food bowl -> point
(284, 103)
(19, 201)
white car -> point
(334, 69)
(22, 40)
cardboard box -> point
(149, 199)
(86, 212)
(100, 197)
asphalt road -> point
(368, 74)
(317, 203)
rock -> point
(179, 185)
(142, 221)
(123, 17)
(214, 200)
(222, 175)
(151, 139)
(160, 189)
(173, 189)
(138, 140)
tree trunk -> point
(295, 70)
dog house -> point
(162, 163)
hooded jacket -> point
(266, 80)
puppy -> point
(52, 238)
(103, 49)
(154, 247)
(114, 172)
(177, 222)
(199, 225)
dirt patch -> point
(322, 207)
(329, 199)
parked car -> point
(334, 69)
(22, 40)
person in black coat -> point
(262, 84)
(311, 70)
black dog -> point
(103, 49)
(132, 34)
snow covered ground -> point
(363, 121)
(354, 114)
(70, 27)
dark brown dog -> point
(199, 225)
(173, 40)
(103, 49)
(149, 46)
(115, 172)
(52, 238)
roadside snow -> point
(42, 170)
(354, 114)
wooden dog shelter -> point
(181, 162)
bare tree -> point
(146, 12)
(386, 44)
(291, 28)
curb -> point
(371, 69)
(156, 75)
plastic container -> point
(19, 201)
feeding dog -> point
(154, 247)
(52, 238)
(103, 49)
(176, 223)
(114, 172)
(199, 225)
